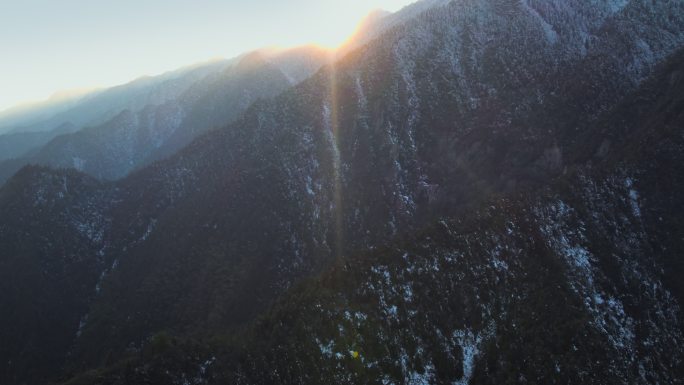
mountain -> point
(100, 106)
(47, 282)
(575, 282)
(15, 145)
(24, 114)
(32, 129)
(485, 193)
(134, 138)
(379, 21)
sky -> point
(55, 45)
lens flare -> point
(332, 126)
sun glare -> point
(338, 28)
(337, 35)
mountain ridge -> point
(466, 112)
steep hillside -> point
(353, 160)
(470, 105)
(571, 283)
(16, 145)
(52, 230)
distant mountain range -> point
(16, 118)
(111, 133)
(470, 192)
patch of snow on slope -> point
(330, 136)
(81, 324)
(79, 164)
(426, 378)
(148, 231)
(327, 349)
(470, 344)
(633, 197)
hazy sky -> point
(51, 45)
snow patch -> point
(326, 349)
(470, 343)
(633, 197)
(150, 227)
(79, 163)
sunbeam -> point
(331, 117)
